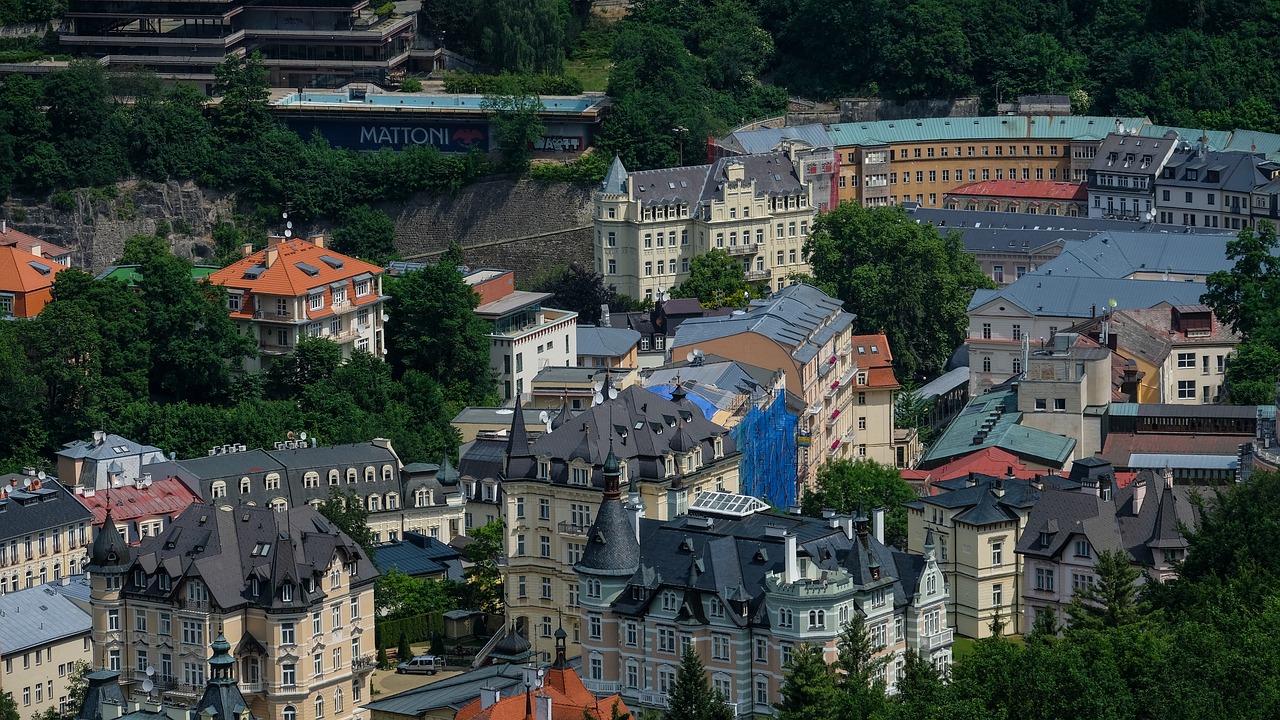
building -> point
(142, 508)
(657, 327)
(421, 497)
(1209, 188)
(23, 242)
(525, 337)
(105, 461)
(470, 422)
(1177, 354)
(607, 347)
(291, 595)
(988, 461)
(558, 695)
(1066, 389)
(443, 698)
(945, 396)
(551, 489)
(297, 288)
(1121, 178)
(556, 387)
(743, 588)
(1034, 197)
(420, 556)
(26, 281)
(1132, 270)
(1067, 529)
(758, 208)
(992, 420)
(310, 45)
(846, 380)
(43, 636)
(975, 523)
(44, 532)
(1196, 442)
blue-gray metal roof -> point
(767, 140)
(1188, 462)
(606, 341)
(1082, 297)
(1123, 254)
(795, 317)
(112, 446)
(38, 616)
(453, 692)
(75, 587)
(419, 555)
(944, 383)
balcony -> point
(756, 275)
(568, 528)
(601, 687)
(835, 415)
(653, 699)
(364, 663)
(937, 640)
(252, 688)
(814, 409)
(744, 249)
(848, 374)
(197, 606)
(276, 315)
(272, 349)
(831, 391)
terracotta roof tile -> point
(285, 277)
(24, 242)
(165, 497)
(1026, 189)
(19, 272)
(570, 698)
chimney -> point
(4, 226)
(971, 480)
(489, 696)
(273, 254)
(846, 522)
(317, 240)
(35, 250)
(543, 702)
(877, 524)
(604, 315)
(1167, 477)
(791, 567)
(1139, 494)
(635, 511)
(246, 249)
(99, 437)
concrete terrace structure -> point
(43, 635)
(299, 288)
(758, 208)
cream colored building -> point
(43, 635)
(652, 223)
(291, 594)
(44, 532)
(552, 491)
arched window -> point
(219, 489)
(244, 486)
(311, 479)
(333, 477)
(387, 473)
(290, 713)
(393, 501)
(420, 497)
(337, 701)
(375, 503)
(817, 619)
(785, 618)
(368, 473)
(319, 706)
(272, 481)
(351, 475)
(279, 504)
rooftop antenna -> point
(545, 419)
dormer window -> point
(718, 444)
(671, 465)
(286, 592)
(544, 469)
(1045, 539)
(164, 581)
(254, 587)
(139, 578)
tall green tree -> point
(899, 277)
(1252, 373)
(862, 669)
(810, 690)
(1112, 601)
(1247, 297)
(847, 486)
(691, 698)
(401, 596)
(523, 36)
(8, 707)
(314, 359)
(484, 580)
(368, 234)
(518, 124)
(716, 279)
(242, 84)
(580, 289)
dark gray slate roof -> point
(611, 548)
(225, 548)
(611, 342)
(989, 499)
(110, 553)
(1235, 171)
(101, 687)
(773, 173)
(24, 512)
(452, 692)
(420, 555)
(38, 616)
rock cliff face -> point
(519, 224)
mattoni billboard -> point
(372, 134)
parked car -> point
(422, 664)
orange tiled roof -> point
(876, 359)
(19, 272)
(284, 277)
(1026, 189)
(165, 497)
(569, 701)
(24, 242)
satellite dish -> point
(597, 399)
(26, 482)
(613, 393)
(289, 225)
(287, 233)
(543, 417)
(385, 317)
(284, 215)
(1112, 303)
(598, 385)
(302, 435)
(41, 475)
(150, 671)
(689, 356)
(148, 685)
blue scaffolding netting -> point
(767, 439)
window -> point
(1017, 332)
(1186, 360)
(986, 331)
(997, 595)
(546, 588)
(335, 616)
(1186, 389)
(290, 713)
(632, 634)
(544, 546)
(317, 665)
(1059, 404)
(1080, 582)
(519, 507)
(877, 598)
(544, 509)
(666, 640)
(113, 620)
(1042, 404)
(166, 622)
(355, 608)
(522, 589)
(286, 634)
(997, 553)
(319, 706)
(1082, 549)
(520, 545)
(997, 274)
(594, 627)
(817, 620)
(633, 674)
(593, 588)
(785, 618)
(1044, 579)
(316, 624)
(192, 632)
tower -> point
(109, 560)
(610, 558)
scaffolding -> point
(767, 439)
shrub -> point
(411, 85)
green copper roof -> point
(129, 274)
(1000, 127)
(1001, 404)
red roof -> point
(873, 356)
(1026, 189)
(1119, 446)
(26, 243)
(988, 461)
(320, 268)
(22, 272)
(166, 497)
(570, 700)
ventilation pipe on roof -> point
(877, 524)
(791, 564)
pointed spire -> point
(561, 661)
(612, 477)
(561, 417)
(518, 438)
(110, 553)
(222, 666)
(615, 181)
(928, 542)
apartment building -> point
(1066, 387)
(104, 461)
(1067, 529)
(306, 44)
(291, 595)
(398, 498)
(141, 508)
(525, 337)
(975, 523)
(743, 588)
(26, 281)
(758, 208)
(9, 237)
(43, 636)
(551, 490)
(846, 380)
(1175, 354)
(1033, 197)
(990, 426)
(44, 532)
(1212, 189)
(298, 288)
(1122, 175)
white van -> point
(422, 664)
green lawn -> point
(593, 73)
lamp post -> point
(680, 132)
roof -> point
(1230, 171)
(800, 318)
(1119, 447)
(131, 275)
(10, 237)
(1183, 461)
(987, 461)
(451, 692)
(300, 267)
(944, 383)
(772, 173)
(1132, 154)
(496, 415)
(606, 341)
(419, 555)
(1083, 297)
(766, 140)
(569, 697)
(22, 272)
(510, 303)
(1000, 127)
(169, 496)
(1028, 189)
(110, 446)
(986, 499)
(1124, 254)
(41, 506)
(873, 356)
(38, 616)
(615, 181)
(1001, 406)
(73, 587)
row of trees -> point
(1202, 646)
(159, 363)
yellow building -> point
(552, 490)
(44, 636)
(291, 594)
(44, 531)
